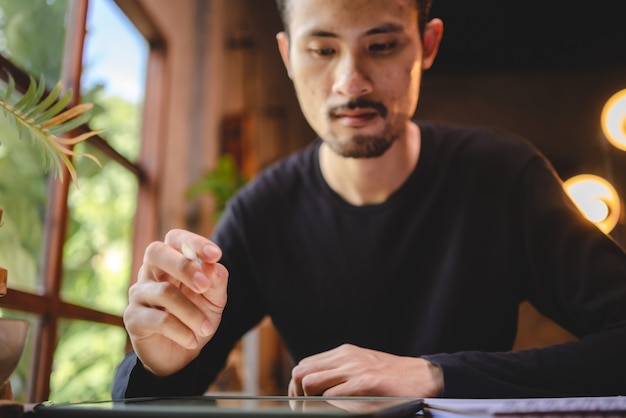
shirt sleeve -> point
(244, 309)
(576, 275)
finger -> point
(216, 293)
(182, 304)
(312, 378)
(344, 388)
(292, 389)
(163, 262)
(317, 384)
(204, 248)
(143, 322)
(212, 312)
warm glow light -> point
(113, 261)
(596, 210)
(596, 198)
(613, 120)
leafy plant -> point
(44, 119)
(222, 182)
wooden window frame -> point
(48, 305)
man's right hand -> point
(176, 305)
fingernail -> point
(200, 281)
(211, 251)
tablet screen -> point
(236, 406)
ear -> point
(433, 33)
(283, 46)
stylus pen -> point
(189, 253)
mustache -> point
(359, 104)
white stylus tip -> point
(189, 252)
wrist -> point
(436, 373)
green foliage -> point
(97, 253)
(23, 199)
(85, 361)
(97, 260)
(42, 118)
(32, 34)
(222, 183)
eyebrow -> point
(385, 28)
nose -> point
(350, 78)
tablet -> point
(235, 406)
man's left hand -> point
(349, 370)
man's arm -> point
(175, 307)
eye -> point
(322, 52)
(382, 47)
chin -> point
(362, 146)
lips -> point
(355, 117)
(358, 113)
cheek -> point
(311, 90)
(413, 76)
(402, 87)
(311, 100)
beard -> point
(362, 146)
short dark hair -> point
(423, 12)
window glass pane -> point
(20, 378)
(115, 64)
(23, 190)
(97, 252)
(85, 361)
(32, 35)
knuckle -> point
(166, 291)
(151, 251)
(169, 235)
(346, 347)
(296, 373)
(127, 316)
(162, 320)
(132, 292)
(141, 272)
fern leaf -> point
(79, 120)
(38, 114)
(54, 109)
(28, 97)
(40, 121)
(77, 139)
(69, 114)
(32, 105)
(10, 90)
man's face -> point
(356, 66)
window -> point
(69, 247)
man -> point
(391, 255)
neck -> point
(368, 181)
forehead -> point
(337, 16)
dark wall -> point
(541, 69)
(532, 34)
